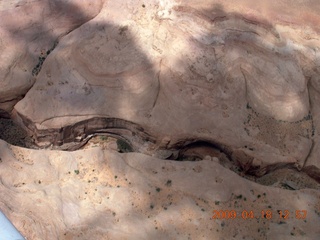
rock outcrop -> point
(218, 81)
(29, 31)
(96, 194)
(184, 72)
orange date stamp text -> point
(263, 214)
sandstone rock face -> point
(188, 72)
(95, 194)
(29, 31)
(235, 83)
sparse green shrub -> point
(123, 146)
(103, 138)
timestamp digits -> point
(264, 214)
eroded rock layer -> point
(234, 84)
(96, 194)
(29, 31)
(235, 75)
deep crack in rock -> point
(43, 55)
(129, 137)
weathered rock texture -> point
(95, 194)
(236, 76)
(238, 81)
(29, 31)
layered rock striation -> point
(218, 81)
(236, 77)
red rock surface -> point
(175, 79)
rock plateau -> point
(227, 85)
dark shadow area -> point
(14, 134)
(198, 150)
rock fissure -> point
(130, 137)
(161, 100)
(84, 130)
(43, 55)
